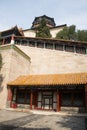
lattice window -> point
(24, 42)
(66, 100)
(49, 45)
(40, 45)
(72, 99)
(17, 41)
(81, 50)
(78, 99)
(23, 97)
(31, 44)
(58, 47)
(69, 48)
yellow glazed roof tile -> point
(51, 79)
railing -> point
(49, 44)
(54, 46)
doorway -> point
(47, 100)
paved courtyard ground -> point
(12, 120)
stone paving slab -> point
(33, 129)
(27, 121)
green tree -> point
(43, 30)
(68, 33)
(63, 34)
(72, 34)
(82, 35)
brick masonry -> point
(14, 65)
(47, 61)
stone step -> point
(73, 109)
(23, 106)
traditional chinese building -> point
(49, 22)
(49, 92)
(43, 74)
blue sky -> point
(23, 12)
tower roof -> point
(14, 30)
(49, 21)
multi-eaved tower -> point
(49, 22)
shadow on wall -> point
(1, 80)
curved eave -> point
(50, 79)
(10, 32)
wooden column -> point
(86, 98)
(35, 99)
(35, 44)
(86, 50)
(12, 39)
(44, 45)
(63, 47)
(74, 49)
(3, 42)
(53, 46)
(58, 101)
(31, 99)
(9, 98)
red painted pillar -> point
(86, 101)
(9, 97)
(35, 98)
(31, 99)
(86, 98)
(58, 101)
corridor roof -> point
(50, 79)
